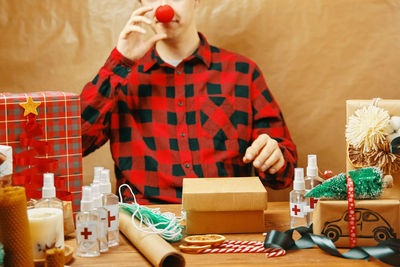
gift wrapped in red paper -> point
(44, 129)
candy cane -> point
(244, 246)
(238, 246)
(247, 249)
(242, 242)
(241, 246)
(275, 252)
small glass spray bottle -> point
(103, 216)
(298, 202)
(97, 174)
(49, 199)
(110, 203)
(311, 179)
(87, 226)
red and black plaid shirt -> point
(194, 120)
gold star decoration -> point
(30, 106)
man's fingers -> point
(271, 160)
(141, 11)
(137, 19)
(153, 27)
(155, 38)
(265, 153)
(133, 28)
(277, 166)
(255, 148)
(138, 13)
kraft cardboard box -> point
(376, 220)
(224, 205)
(392, 106)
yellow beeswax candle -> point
(14, 227)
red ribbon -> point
(32, 128)
(25, 158)
(63, 195)
(351, 212)
(32, 177)
(46, 165)
(42, 147)
(326, 174)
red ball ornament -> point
(165, 13)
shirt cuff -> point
(120, 59)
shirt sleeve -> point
(99, 98)
(268, 119)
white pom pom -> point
(368, 128)
(395, 121)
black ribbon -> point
(387, 251)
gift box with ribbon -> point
(375, 221)
(44, 130)
(356, 216)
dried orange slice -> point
(211, 239)
(193, 248)
(352, 161)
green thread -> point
(169, 226)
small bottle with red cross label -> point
(111, 204)
(311, 180)
(87, 227)
(299, 215)
(103, 216)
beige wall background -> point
(314, 55)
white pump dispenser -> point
(299, 215)
(111, 204)
(87, 227)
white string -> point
(171, 232)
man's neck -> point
(178, 48)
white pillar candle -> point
(47, 230)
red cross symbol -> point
(110, 218)
(86, 233)
(313, 201)
(295, 210)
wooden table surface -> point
(277, 218)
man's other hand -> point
(265, 154)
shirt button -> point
(187, 165)
(180, 104)
(183, 134)
(179, 72)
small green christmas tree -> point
(367, 185)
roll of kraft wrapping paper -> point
(14, 228)
(158, 251)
